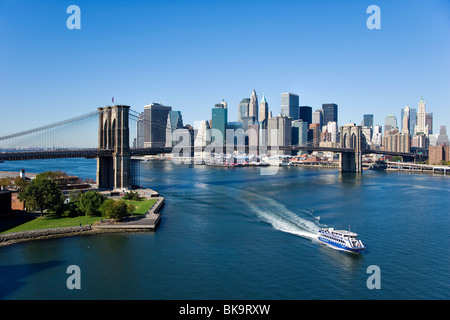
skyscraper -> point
(443, 137)
(243, 109)
(219, 122)
(140, 125)
(263, 112)
(279, 131)
(429, 122)
(155, 123)
(412, 121)
(368, 120)
(317, 117)
(290, 105)
(405, 120)
(176, 120)
(421, 126)
(305, 114)
(390, 122)
(330, 113)
(253, 106)
(299, 133)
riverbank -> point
(147, 222)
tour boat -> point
(341, 239)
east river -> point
(238, 234)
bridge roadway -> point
(95, 153)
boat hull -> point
(341, 246)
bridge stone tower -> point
(113, 172)
(352, 138)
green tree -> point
(89, 202)
(20, 183)
(114, 209)
(6, 182)
(41, 194)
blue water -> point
(237, 234)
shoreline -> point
(149, 222)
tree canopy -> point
(89, 202)
(41, 194)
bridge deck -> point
(95, 153)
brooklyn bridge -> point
(107, 135)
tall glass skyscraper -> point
(176, 120)
(263, 112)
(390, 122)
(290, 105)
(253, 106)
(155, 123)
(219, 122)
(330, 113)
(412, 120)
(305, 114)
(368, 120)
(243, 109)
(299, 133)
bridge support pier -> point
(113, 172)
(350, 162)
(351, 137)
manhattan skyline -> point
(192, 54)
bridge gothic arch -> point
(113, 172)
(351, 139)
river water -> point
(238, 234)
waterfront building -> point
(330, 113)
(299, 133)
(243, 108)
(290, 105)
(328, 136)
(219, 122)
(305, 114)
(437, 154)
(421, 126)
(155, 123)
(263, 112)
(397, 142)
(253, 105)
(390, 122)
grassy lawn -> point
(49, 221)
(142, 206)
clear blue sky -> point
(192, 54)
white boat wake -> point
(302, 223)
(283, 219)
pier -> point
(417, 168)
